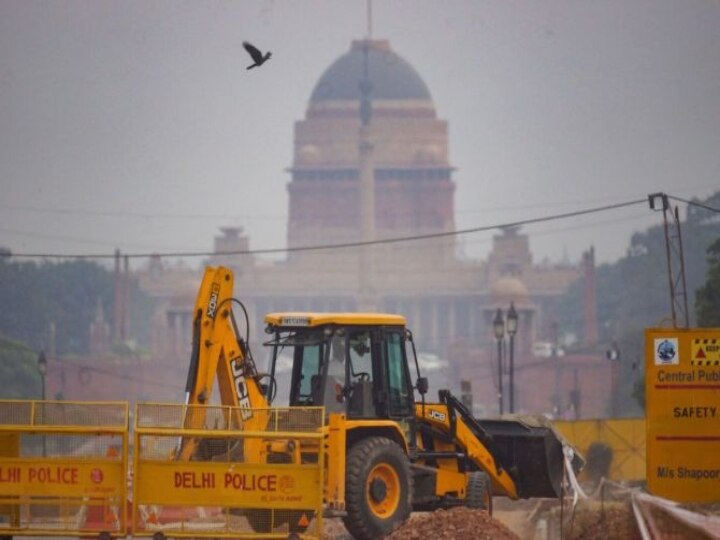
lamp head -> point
(512, 320)
(42, 363)
(498, 325)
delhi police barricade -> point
(63, 468)
(218, 471)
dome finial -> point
(369, 20)
(365, 89)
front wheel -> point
(378, 488)
(479, 492)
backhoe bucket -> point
(532, 452)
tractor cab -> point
(350, 363)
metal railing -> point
(216, 471)
(63, 468)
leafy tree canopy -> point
(54, 304)
(18, 371)
(707, 297)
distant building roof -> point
(392, 77)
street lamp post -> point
(499, 330)
(42, 369)
(613, 355)
(512, 325)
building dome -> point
(392, 77)
(509, 288)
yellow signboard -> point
(705, 352)
(267, 481)
(249, 485)
(61, 478)
(682, 386)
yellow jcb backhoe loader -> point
(386, 453)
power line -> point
(278, 217)
(533, 206)
(345, 245)
(466, 244)
(144, 215)
(694, 203)
(273, 217)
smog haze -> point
(135, 125)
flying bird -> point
(256, 55)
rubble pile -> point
(616, 522)
(458, 523)
(454, 524)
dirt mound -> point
(454, 524)
(612, 523)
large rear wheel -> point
(378, 488)
(479, 492)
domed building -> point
(413, 191)
(370, 163)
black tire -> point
(158, 536)
(104, 535)
(260, 520)
(479, 492)
(378, 488)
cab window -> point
(361, 367)
(308, 380)
(334, 391)
(360, 374)
(399, 395)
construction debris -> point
(458, 523)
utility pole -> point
(613, 356)
(675, 258)
(42, 369)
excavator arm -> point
(220, 352)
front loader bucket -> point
(527, 447)
(532, 452)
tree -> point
(18, 371)
(51, 305)
(707, 297)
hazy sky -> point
(135, 124)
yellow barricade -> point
(624, 437)
(216, 471)
(63, 468)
